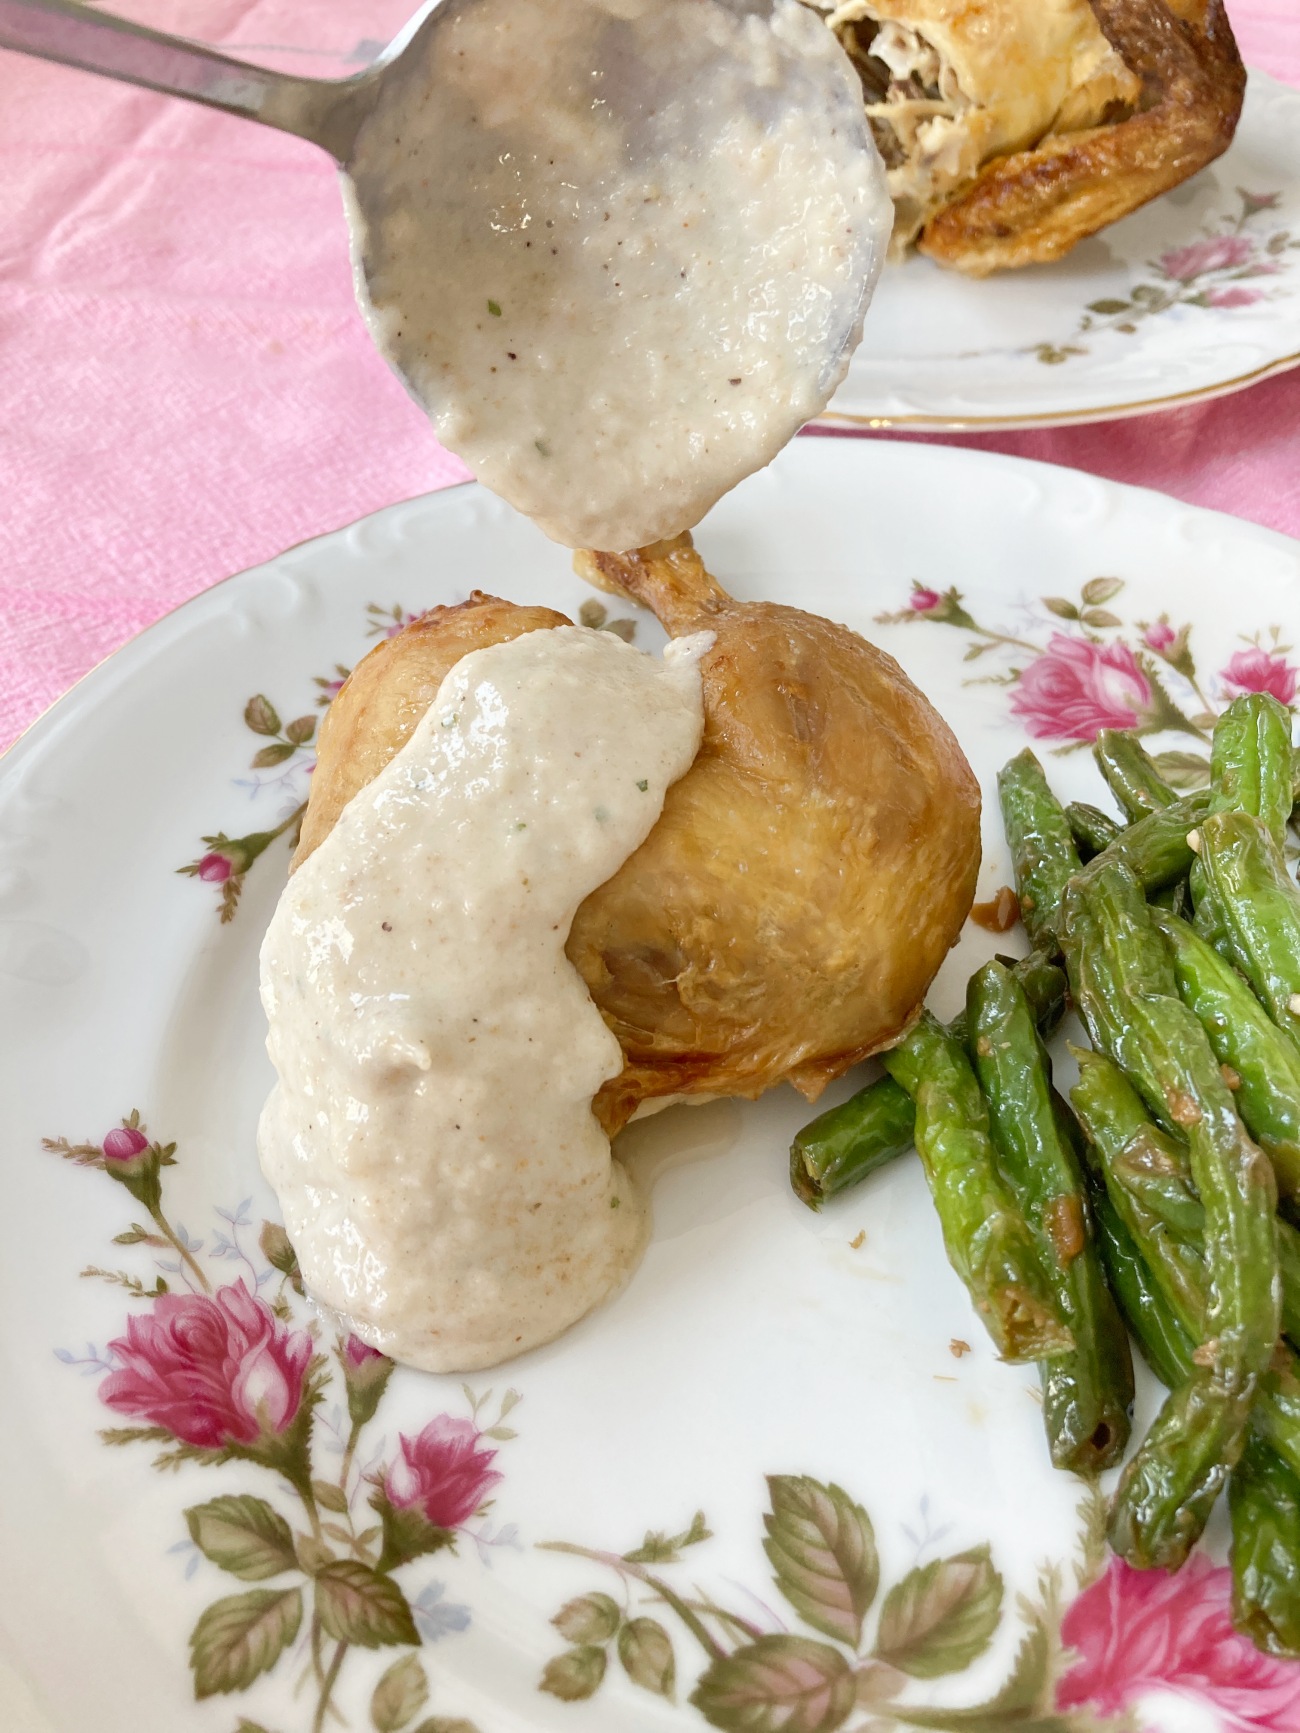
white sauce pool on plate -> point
(617, 282)
(443, 1180)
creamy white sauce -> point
(619, 274)
(443, 1181)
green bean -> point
(1264, 1498)
(1092, 829)
(1184, 1219)
(845, 1144)
(1113, 1117)
(1276, 1415)
(1174, 899)
(1087, 1393)
(1250, 771)
(1156, 1174)
(842, 1146)
(1164, 1343)
(987, 1239)
(1155, 849)
(1043, 981)
(1123, 985)
(1250, 765)
(1130, 775)
(1156, 1192)
(1138, 1162)
(1246, 1040)
(1261, 910)
(1181, 1291)
(1043, 854)
(1263, 1492)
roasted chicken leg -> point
(1012, 129)
(808, 874)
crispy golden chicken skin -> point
(389, 690)
(807, 876)
(1012, 129)
(1035, 205)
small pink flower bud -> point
(924, 601)
(443, 1471)
(123, 1143)
(215, 869)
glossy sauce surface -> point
(445, 1185)
(619, 278)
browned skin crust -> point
(807, 876)
(375, 713)
(809, 873)
(1035, 205)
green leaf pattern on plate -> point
(822, 1550)
(242, 1636)
(941, 1616)
(243, 1535)
(936, 1619)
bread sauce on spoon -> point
(619, 249)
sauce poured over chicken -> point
(809, 872)
(431, 1140)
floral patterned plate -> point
(781, 1484)
(1193, 296)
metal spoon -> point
(612, 395)
(326, 111)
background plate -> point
(756, 1339)
(1194, 295)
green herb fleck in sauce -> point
(644, 787)
(494, 309)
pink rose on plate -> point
(1218, 253)
(1077, 688)
(212, 1371)
(1258, 670)
(1233, 297)
(1142, 1631)
(443, 1471)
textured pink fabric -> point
(186, 388)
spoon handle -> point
(325, 111)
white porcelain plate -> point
(200, 1522)
(1193, 296)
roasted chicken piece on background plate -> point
(807, 875)
(1012, 129)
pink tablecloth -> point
(186, 388)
